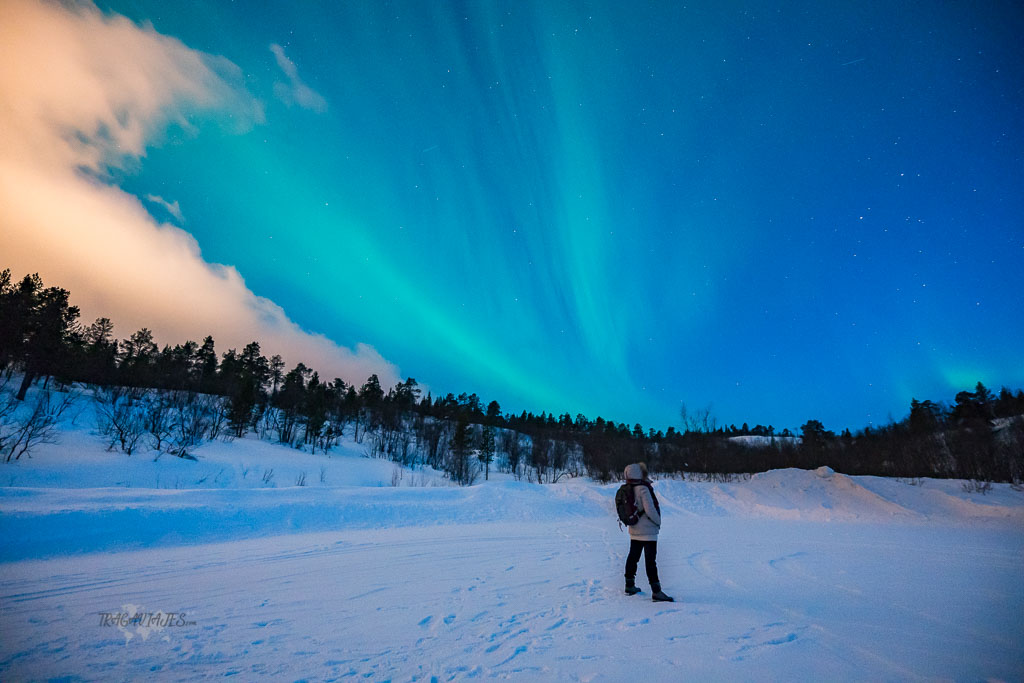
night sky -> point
(792, 211)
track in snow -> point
(757, 599)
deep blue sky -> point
(811, 210)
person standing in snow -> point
(643, 536)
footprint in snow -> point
(556, 625)
(769, 635)
(519, 650)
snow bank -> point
(823, 495)
(39, 522)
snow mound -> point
(949, 501)
(823, 495)
(820, 495)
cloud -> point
(83, 93)
(295, 91)
(170, 207)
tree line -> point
(176, 397)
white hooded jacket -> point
(650, 521)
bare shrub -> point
(977, 486)
(511, 444)
(194, 418)
(8, 409)
(158, 419)
(120, 416)
(432, 442)
(22, 430)
(716, 477)
(217, 411)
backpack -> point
(625, 505)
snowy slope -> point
(789, 575)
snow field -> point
(759, 599)
(377, 572)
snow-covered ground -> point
(764, 441)
(374, 572)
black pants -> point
(650, 552)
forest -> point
(174, 398)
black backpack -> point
(625, 505)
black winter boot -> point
(631, 588)
(658, 596)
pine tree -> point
(371, 393)
(100, 352)
(276, 373)
(205, 368)
(42, 325)
(485, 449)
(493, 410)
(461, 445)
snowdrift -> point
(824, 496)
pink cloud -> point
(81, 90)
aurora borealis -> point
(788, 212)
